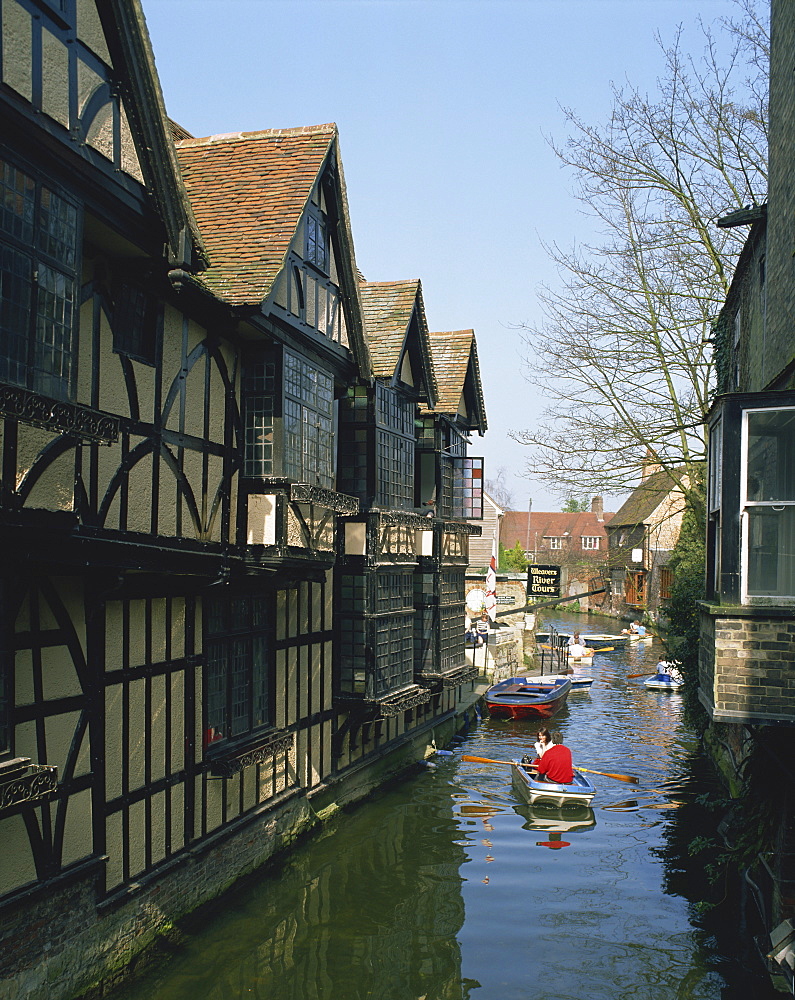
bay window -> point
(304, 450)
(751, 499)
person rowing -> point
(635, 629)
(555, 763)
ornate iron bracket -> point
(340, 503)
(57, 415)
(236, 758)
(23, 783)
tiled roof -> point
(388, 307)
(646, 498)
(452, 353)
(248, 191)
(554, 524)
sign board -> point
(543, 581)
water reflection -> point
(446, 887)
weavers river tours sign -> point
(543, 581)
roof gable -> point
(455, 361)
(640, 506)
(251, 192)
(130, 51)
(397, 333)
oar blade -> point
(629, 778)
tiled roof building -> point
(557, 534)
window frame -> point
(748, 507)
(220, 645)
(46, 223)
(590, 538)
(289, 413)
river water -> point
(445, 887)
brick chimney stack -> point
(597, 507)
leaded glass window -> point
(395, 447)
(394, 653)
(237, 644)
(259, 385)
(38, 258)
(316, 242)
(307, 421)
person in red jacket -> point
(555, 765)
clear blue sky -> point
(443, 107)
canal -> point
(445, 887)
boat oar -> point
(631, 779)
(605, 774)
(646, 673)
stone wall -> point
(747, 664)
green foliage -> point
(572, 506)
(682, 620)
(751, 820)
(512, 560)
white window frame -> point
(555, 542)
(586, 540)
(747, 505)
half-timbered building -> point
(216, 583)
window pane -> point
(52, 361)
(15, 300)
(771, 552)
(771, 456)
(57, 228)
(715, 464)
(17, 203)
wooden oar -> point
(605, 774)
(647, 673)
(631, 779)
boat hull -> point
(596, 640)
(662, 682)
(525, 698)
(579, 792)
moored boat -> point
(579, 682)
(525, 698)
(580, 792)
(597, 639)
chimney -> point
(597, 507)
(649, 465)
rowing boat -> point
(597, 639)
(580, 792)
(670, 680)
(525, 698)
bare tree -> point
(498, 489)
(623, 352)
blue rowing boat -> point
(525, 698)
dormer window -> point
(316, 243)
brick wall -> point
(747, 665)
